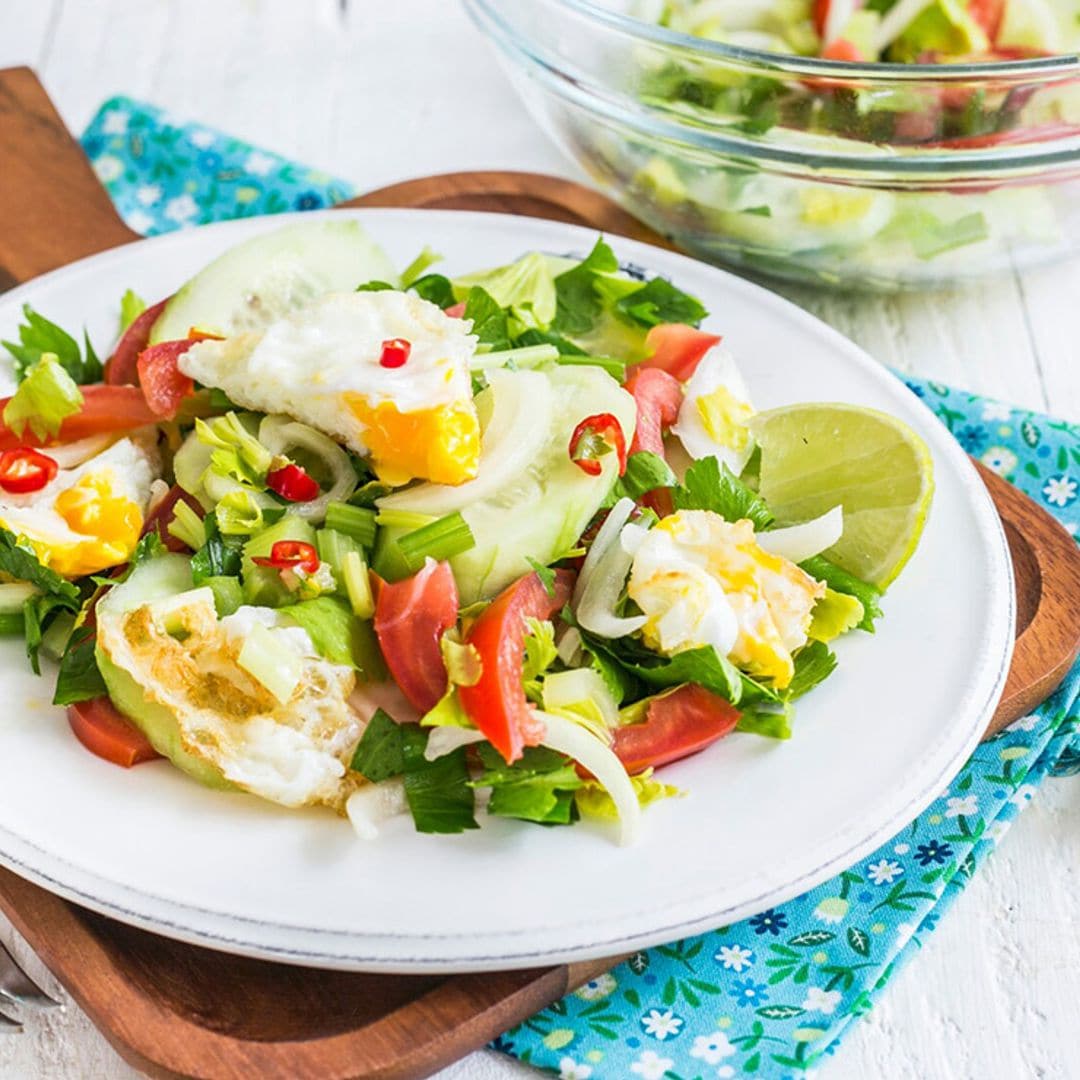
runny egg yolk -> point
(441, 444)
(110, 521)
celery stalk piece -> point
(271, 663)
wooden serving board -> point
(176, 1010)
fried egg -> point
(86, 518)
(321, 366)
(701, 580)
(292, 752)
(714, 413)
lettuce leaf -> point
(45, 398)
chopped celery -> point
(333, 547)
(441, 539)
(270, 662)
(54, 641)
(228, 596)
(11, 623)
(358, 584)
(13, 595)
(526, 356)
(392, 518)
(263, 585)
(187, 526)
(355, 521)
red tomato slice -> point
(987, 13)
(120, 367)
(1043, 133)
(410, 619)
(456, 311)
(658, 396)
(161, 379)
(677, 349)
(676, 725)
(165, 511)
(497, 702)
(104, 731)
(105, 408)
(842, 49)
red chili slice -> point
(293, 483)
(24, 470)
(395, 351)
(290, 555)
(592, 438)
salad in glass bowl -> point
(507, 542)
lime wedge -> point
(821, 455)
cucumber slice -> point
(540, 508)
(156, 580)
(268, 276)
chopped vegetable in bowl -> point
(506, 543)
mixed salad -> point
(512, 540)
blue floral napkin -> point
(772, 996)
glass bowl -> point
(872, 176)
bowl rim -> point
(885, 164)
(1007, 70)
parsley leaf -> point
(488, 319)
(220, 556)
(375, 286)
(577, 305)
(79, 678)
(20, 561)
(537, 787)
(438, 791)
(436, 288)
(659, 301)
(38, 336)
(645, 471)
(380, 754)
(841, 581)
(814, 663)
(708, 485)
(769, 718)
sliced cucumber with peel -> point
(275, 273)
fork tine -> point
(9, 1026)
(17, 986)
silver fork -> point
(17, 988)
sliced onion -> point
(617, 517)
(569, 645)
(445, 740)
(605, 578)
(576, 742)
(69, 455)
(840, 11)
(279, 434)
(518, 428)
(373, 804)
(896, 20)
(800, 542)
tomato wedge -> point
(105, 731)
(411, 617)
(842, 49)
(121, 368)
(163, 513)
(658, 396)
(988, 14)
(105, 408)
(676, 725)
(161, 379)
(677, 349)
(497, 702)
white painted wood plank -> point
(24, 31)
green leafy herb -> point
(841, 581)
(814, 663)
(45, 398)
(220, 556)
(131, 307)
(659, 301)
(38, 336)
(769, 718)
(438, 792)
(416, 268)
(540, 654)
(534, 336)
(488, 319)
(436, 288)
(21, 563)
(380, 754)
(708, 485)
(375, 286)
(79, 678)
(645, 471)
(577, 304)
(538, 787)
(545, 573)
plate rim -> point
(212, 928)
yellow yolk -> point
(111, 523)
(724, 417)
(440, 444)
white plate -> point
(763, 821)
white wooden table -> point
(379, 91)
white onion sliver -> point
(800, 542)
(68, 455)
(569, 644)
(368, 807)
(632, 537)
(279, 434)
(896, 20)
(609, 531)
(445, 740)
(575, 741)
(596, 611)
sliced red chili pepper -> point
(293, 483)
(290, 555)
(592, 438)
(395, 351)
(23, 470)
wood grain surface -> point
(177, 1010)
